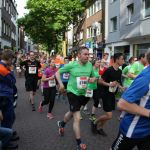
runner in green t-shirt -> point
(93, 87)
(126, 80)
(81, 73)
(137, 68)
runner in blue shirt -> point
(135, 126)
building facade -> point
(89, 31)
(8, 25)
(127, 26)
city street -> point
(38, 133)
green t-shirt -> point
(93, 86)
(127, 81)
(79, 75)
(136, 69)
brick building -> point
(90, 30)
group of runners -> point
(82, 80)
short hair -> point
(148, 56)
(81, 49)
(32, 52)
(141, 56)
(117, 56)
(131, 59)
(94, 61)
(8, 54)
(106, 54)
(66, 57)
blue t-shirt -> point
(64, 76)
(134, 126)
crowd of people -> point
(81, 80)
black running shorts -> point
(124, 143)
(31, 84)
(109, 101)
(76, 101)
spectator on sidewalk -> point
(7, 82)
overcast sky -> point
(20, 7)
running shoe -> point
(81, 147)
(92, 118)
(86, 112)
(61, 129)
(40, 109)
(101, 132)
(99, 105)
(33, 107)
(50, 116)
(93, 127)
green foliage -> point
(48, 19)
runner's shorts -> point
(109, 101)
(76, 101)
(124, 143)
(31, 84)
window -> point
(113, 1)
(94, 8)
(146, 10)
(81, 35)
(90, 32)
(4, 3)
(3, 26)
(88, 13)
(9, 10)
(98, 5)
(130, 9)
(98, 30)
(113, 24)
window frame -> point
(130, 13)
(144, 10)
(113, 25)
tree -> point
(48, 20)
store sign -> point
(88, 44)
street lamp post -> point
(95, 25)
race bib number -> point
(89, 93)
(52, 83)
(66, 76)
(82, 82)
(112, 89)
(57, 65)
(32, 70)
(17, 68)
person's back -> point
(7, 78)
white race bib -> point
(32, 70)
(112, 89)
(18, 68)
(52, 83)
(66, 76)
(82, 82)
(57, 65)
(89, 93)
